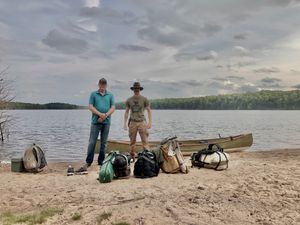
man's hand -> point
(100, 120)
(102, 116)
(149, 125)
(125, 126)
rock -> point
(235, 195)
(200, 187)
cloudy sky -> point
(58, 50)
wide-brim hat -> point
(137, 85)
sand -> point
(258, 188)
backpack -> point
(106, 173)
(173, 161)
(34, 159)
(121, 165)
(146, 165)
(211, 158)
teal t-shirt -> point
(102, 103)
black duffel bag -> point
(121, 165)
(146, 165)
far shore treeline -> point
(262, 100)
(54, 105)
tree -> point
(5, 99)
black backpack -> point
(121, 165)
(146, 165)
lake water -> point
(63, 134)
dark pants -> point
(95, 129)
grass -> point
(9, 218)
(104, 216)
(76, 216)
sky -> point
(56, 51)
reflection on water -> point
(64, 134)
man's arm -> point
(126, 118)
(92, 108)
(149, 125)
(95, 111)
(111, 110)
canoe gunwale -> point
(193, 142)
(230, 144)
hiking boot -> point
(70, 171)
(82, 170)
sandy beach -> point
(258, 188)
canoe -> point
(229, 144)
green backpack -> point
(106, 174)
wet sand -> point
(258, 188)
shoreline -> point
(258, 188)
(5, 162)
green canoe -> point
(230, 144)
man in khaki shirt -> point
(136, 105)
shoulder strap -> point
(41, 159)
(219, 154)
(38, 156)
(110, 159)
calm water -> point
(64, 134)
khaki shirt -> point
(137, 106)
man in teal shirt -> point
(102, 106)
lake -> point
(64, 134)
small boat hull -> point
(230, 144)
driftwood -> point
(123, 201)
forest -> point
(54, 105)
(262, 100)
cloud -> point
(245, 63)
(108, 15)
(233, 77)
(248, 87)
(240, 51)
(64, 43)
(211, 28)
(230, 78)
(296, 86)
(211, 55)
(163, 36)
(92, 3)
(270, 80)
(295, 71)
(267, 70)
(167, 25)
(155, 89)
(186, 43)
(134, 48)
(18, 50)
(219, 79)
(241, 36)
(86, 25)
(227, 86)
